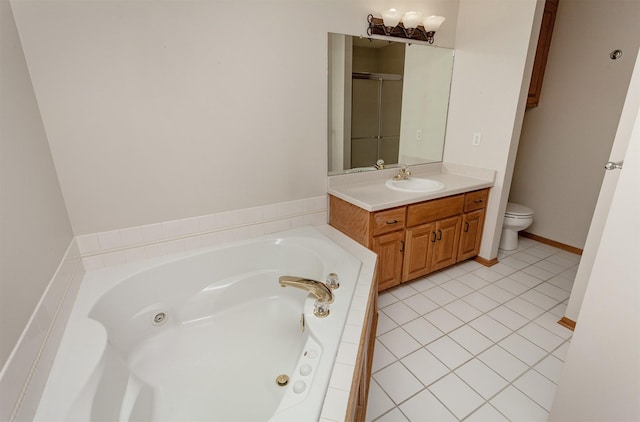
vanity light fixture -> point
(390, 19)
(432, 23)
(407, 25)
(410, 21)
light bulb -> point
(411, 20)
(391, 17)
(432, 23)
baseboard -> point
(486, 262)
(567, 323)
(553, 243)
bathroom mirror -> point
(388, 101)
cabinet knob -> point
(478, 201)
(466, 226)
(392, 222)
(439, 234)
(402, 246)
(433, 237)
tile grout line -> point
(25, 387)
(193, 235)
(475, 356)
(529, 320)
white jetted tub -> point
(203, 335)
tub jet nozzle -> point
(159, 318)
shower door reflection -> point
(375, 118)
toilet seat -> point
(517, 211)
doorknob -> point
(611, 165)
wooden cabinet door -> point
(471, 235)
(418, 246)
(542, 52)
(445, 249)
(390, 248)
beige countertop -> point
(367, 190)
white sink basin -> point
(415, 184)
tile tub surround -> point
(367, 190)
(104, 249)
(25, 373)
(474, 343)
(339, 393)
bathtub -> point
(204, 335)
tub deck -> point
(229, 330)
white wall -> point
(35, 229)
(596, 229)
(340, 47)
(567, 139)
(490, 81)
(601, 377)
(425, 102)
(163, 110)
(153, 111)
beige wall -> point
(567, 139)
(142, 112)
(163, 110)
(490, 81)
(607, 190)
(34, 228)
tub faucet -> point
(403, 174)
(317, 288)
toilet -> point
(516, 218)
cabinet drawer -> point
(388, 220)
(476, 200)
(434, 210)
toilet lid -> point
(518, 210)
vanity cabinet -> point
(472, 224)
(419, 241)
(390, 249)
(430, 247)
(388, 244)
(416, 239)
(433, 232)
(471, 234)
(380, 231)
(445, 250)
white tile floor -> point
(474, 343)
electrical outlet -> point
(476, 139)
(419, 135)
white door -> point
(620, 143)
(601, 377)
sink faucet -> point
(317, 288)
(403, 174)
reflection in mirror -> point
(387, 101)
